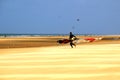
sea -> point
(35, 35)
(30, 35)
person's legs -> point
(71, 44)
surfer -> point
(72, 38)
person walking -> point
(72, 38)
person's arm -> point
(74, 36)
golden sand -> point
(41, 58)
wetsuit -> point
(72, 38)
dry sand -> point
(33, 59)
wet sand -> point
(26, 42)
(43, 59)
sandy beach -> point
(41, 58)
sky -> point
(60, 16)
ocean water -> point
(34, 35)
(30, 35)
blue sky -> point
(60, 16)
